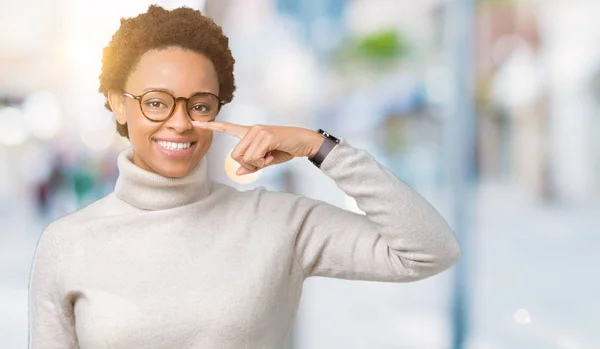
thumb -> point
(269, 159)
(243, 171)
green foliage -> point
(383, 47)
(387, 44)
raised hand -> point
(265, 145)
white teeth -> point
(174, 146)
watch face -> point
(328, 135)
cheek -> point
(204, 136)
(205, 140)
(138, 125)
(134, 115)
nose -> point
(180, 121)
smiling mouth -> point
(172, 146)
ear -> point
(117, 104)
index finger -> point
(229, 128)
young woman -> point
(172, 259)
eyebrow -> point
(173, 93)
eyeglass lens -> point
(158, 105)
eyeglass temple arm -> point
(132, 96)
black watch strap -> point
(329, 143)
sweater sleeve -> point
(401, 238)
(51, 320)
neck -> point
(152, 191)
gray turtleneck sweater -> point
(192, 263)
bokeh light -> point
(231, 167)
(522, 317)
(12, 128)
(42, 114)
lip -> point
(175, 153)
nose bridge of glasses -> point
(180, 106)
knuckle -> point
(237, 157)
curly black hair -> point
(159, 28)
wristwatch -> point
(328, 144)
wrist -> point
(315, 141)
(326, 145)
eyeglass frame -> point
(176, 99)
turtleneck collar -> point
(151, 191)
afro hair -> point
(159, 28)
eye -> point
(201, 108)
(155, 104)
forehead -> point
(182, 71)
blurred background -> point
(490, 109)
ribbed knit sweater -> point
(193, 263)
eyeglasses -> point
(158, 105)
